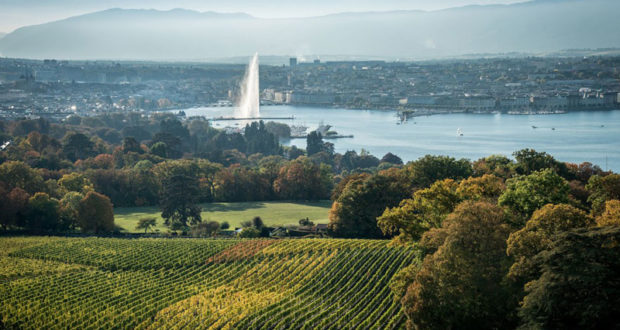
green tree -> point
(461, 285)
(179, 201)
(428, 169)
(75, 182)
(77, 146)
(537, 235)
(146, 223)
(526, 193)
(354, 213)
(530, 161)
(70, 209)
(42, 214)
(314, 143)
(96, 213)
(579, 287)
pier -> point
(251, 118)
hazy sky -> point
(17, 13)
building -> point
(292, 62)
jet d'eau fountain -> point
(249, 99)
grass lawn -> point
(272, 213)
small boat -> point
(459, 132)
(534, 127)
(553, 128)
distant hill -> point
(533, 27)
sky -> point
(18, 13)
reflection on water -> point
(575, 137)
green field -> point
(272, 213)
(94, 283)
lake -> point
(592, 136)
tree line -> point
(528, 243)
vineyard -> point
(90, 283)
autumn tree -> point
(96, 213)
(461, 285)
(302, 179)
(602, 189)
(75, 182)
(497, 165)
(537, 235)
(611, 214)
(13, 207)
(17, 174)
(429, 207)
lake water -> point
(592, 136)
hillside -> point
(533, 27)
(147, 283)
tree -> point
(302, 179)
(96, 213)
(392, 159)
(428, 169)
(497, 165)
(602, 189)
(178, 201)
(130, 144)
(146, 223)
(75, 182)
(579, 287)
(42, 214)
(526, 193)
(611, 215)
(13, 207)
(77, 146)
(461, 285)
(16, 174)
(530, 161)
(249, 232)
(70, 209)
(314, 143)
(205, 229)
(537, 235)
(429, 207)
(354, 213)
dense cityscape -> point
(31, 88)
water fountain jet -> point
(249, 100)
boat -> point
(459, 132)
(534, 127)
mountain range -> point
(135, 34)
